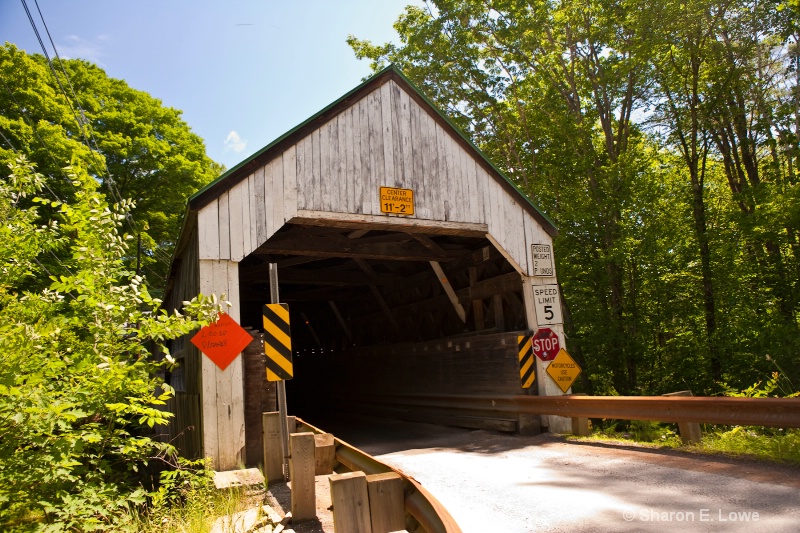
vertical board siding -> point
(290, 170)
(388, 136)
(303, 177)
(325, 167)
(222, 391)
(342, 175)
(254, 206)
(277, 200)
(235, 222)
(244, 195)
(208, 230)
(316, 193)
(268, 204)
(422, 209)
(261, 214)
(224, 229)
(357, 176)
(376, 174)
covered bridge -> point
(408, 260)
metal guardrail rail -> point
(426, 510)
(772, 412)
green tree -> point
(130, 143)
(79, 399)
(549, 91)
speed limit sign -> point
(548, 304)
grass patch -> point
(776, 445)
(195, 513)
(771, 444)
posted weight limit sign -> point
(548, 304)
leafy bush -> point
(78, 392)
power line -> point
(82, 121)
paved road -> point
(493, 482)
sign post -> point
(281, 384)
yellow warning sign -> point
(526, 374)
(563, 370)
(397, 201)
(277, 342)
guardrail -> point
(772, 412)
(421, 505)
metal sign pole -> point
(281, 384)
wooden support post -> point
(477, 305)
(580, 425)
(324, 454)
(350, 499)
(273, 452)
(386, 502)
(499, 319)
(448, 289)
(301, 466)
(690, 431)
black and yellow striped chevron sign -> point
(526, 373)
(277, 342)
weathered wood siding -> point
(222, 390)
(384, 139)
(186, 425)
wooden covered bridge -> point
(408, 260)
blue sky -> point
(243, 72)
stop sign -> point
(545, 344)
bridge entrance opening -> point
(377, 314)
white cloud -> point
(234, 143)
(76, 47)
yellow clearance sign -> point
(397, 201)
(563, 370)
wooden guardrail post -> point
(580, 425)
(273, 451)
(301, 467)
(690, 432)
(324, 454)
(386, 502)
(350, 503)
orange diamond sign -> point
(222, 341)
(563, 370)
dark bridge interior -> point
(358, 295)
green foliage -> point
(143, 151)
(777, 445)
(79, 400)
(663, 143)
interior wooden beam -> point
(326, 247)
(448, 289)
(428, 243)
(377, 293)
(477, 303)
(503, 283)
(340, 319)
(357, 233)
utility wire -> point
(158, 254)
